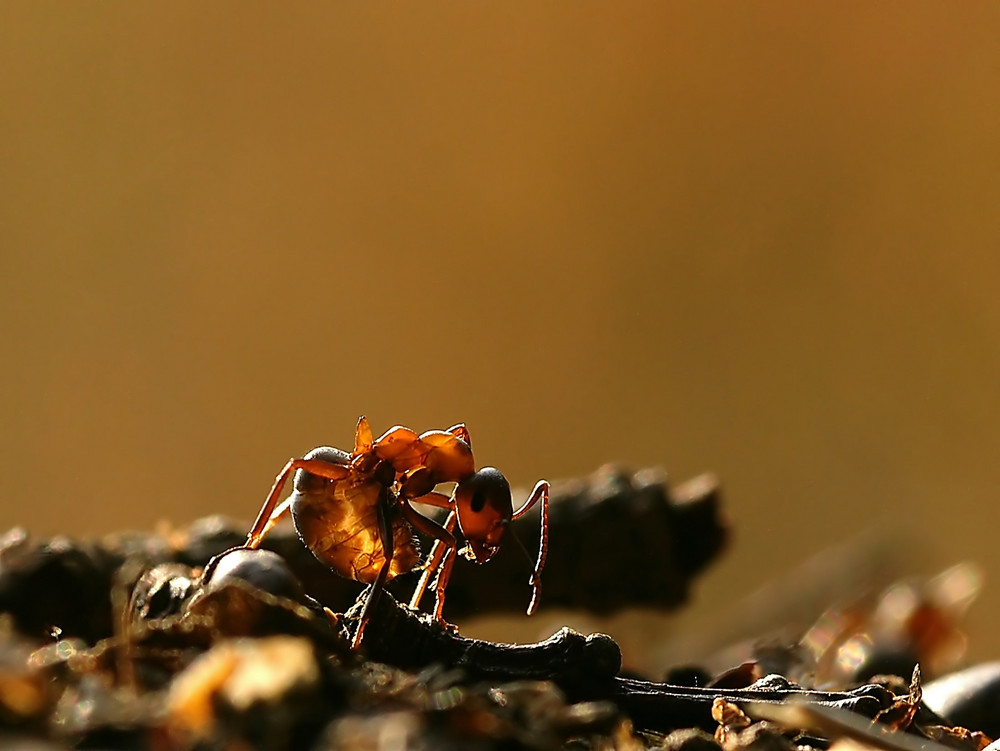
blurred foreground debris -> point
(230, 665)
(122, 644)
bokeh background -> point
(759, 239)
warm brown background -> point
(754, 238)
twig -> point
(584, 667)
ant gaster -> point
(353, 510)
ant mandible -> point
(353, 510)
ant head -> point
(484, 511)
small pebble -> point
(262, 569)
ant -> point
(353, 510)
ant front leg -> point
(438, 551)
(540, 493)
(269, 515)
(442, 554)
(443, 577)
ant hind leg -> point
(269, 515)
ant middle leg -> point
(388, 549)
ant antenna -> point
(534, 581)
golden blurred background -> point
(759, 239)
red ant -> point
(354, 512)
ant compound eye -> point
(478, 501)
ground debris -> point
(132, 643)
(228, 665)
